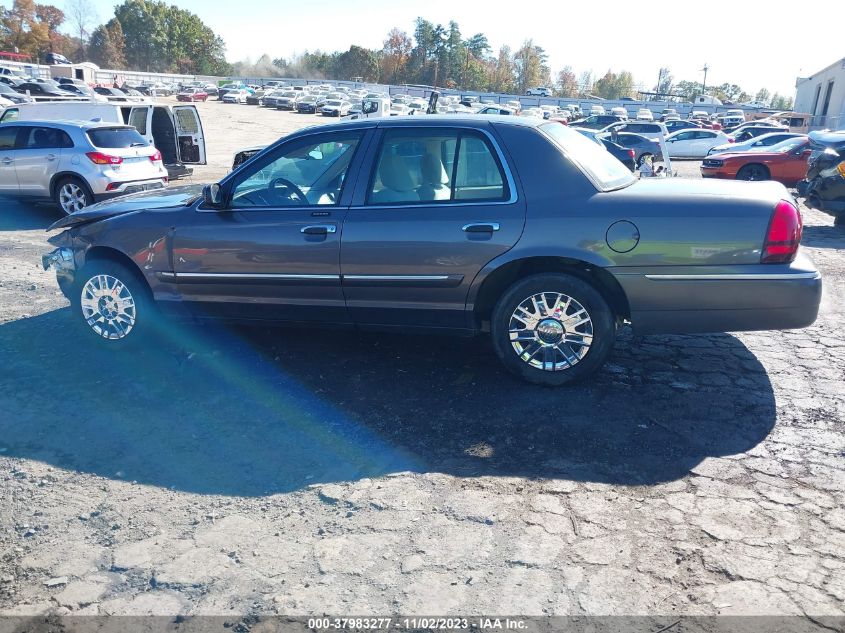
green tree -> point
(356, 62)
(687, 89)
(166, 38)
(763, 95)
(105, 48)
(502, 75)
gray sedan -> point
(643, 147)
(514, 227)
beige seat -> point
(396, 180)
(434, 180)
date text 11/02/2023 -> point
(416, 623)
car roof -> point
(69, 123)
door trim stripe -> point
(249, 276)
(736, 277)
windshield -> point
(788, 145)
(604, 170)
(333, 102)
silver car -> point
(76, 163)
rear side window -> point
(186, 120)
(594, 160)
(45, 138)
(436, 166)
(7, 137)
(116, 138)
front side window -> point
(7, 136)
(436, 166)
(307, 172)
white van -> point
(175, 130)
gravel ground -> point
(253, 472)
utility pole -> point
(659, 79)
(704, 85)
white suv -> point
(76, 163)
(539, 91)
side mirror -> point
(212, 196)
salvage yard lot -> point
(245, 471)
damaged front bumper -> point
(59, 258)
(63, 262)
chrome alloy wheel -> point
(72, 197)
(551, 331)
(108, 307)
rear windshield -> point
(601, 167)
(116, 138)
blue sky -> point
(754, 45)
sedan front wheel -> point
(112, 303)
(552, 329)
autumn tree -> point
(530, 63)
(566, 84)
(397, 49)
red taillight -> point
(731, 140)
(783, 235)
(631, 153)
(156, 157)
(99, 158)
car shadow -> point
(17, 215)
(235, 411)
(824, 236)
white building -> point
(822, 95)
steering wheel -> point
(284, 187)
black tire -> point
(603, 330)
(97, 326)
(65, 187)
(642, 158)
(753, 172)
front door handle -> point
(8, 161)
(51, 157)
(481, 227)
(319, 229)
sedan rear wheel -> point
(552, 329)
(753, 172)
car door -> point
(189, 135)
(704, 142)
(273, 250)
(38, 151)
(680, 145)
(436, 206)
(8, 154)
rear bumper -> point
(697, 299)
(125, 188)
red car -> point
(192, 94)
(785, 162)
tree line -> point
(150, 35)
(146, 35)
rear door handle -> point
(8, 161)
(319, 229)
(51, 157)
(481, 227)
